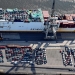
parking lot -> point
(23, 54)
(49, 58)
(54, 58)
(20, 54)
(68, 56)
(39, 56)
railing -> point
(14, 46)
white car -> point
(15, 63)
(31, 62)
(12, 62)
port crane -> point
(51, 25)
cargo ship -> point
(35, 25)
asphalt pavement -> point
(54, 58)
(36, 70)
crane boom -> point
(53, 7)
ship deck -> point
(18, 31)
(66, 30)
(35, 36)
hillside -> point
(60, 7)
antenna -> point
(53, 7)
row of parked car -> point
(1, 57)
(67, 56)
(16, 54)
(40, 56)
(67, 59)
(71, 51)
(26, 55)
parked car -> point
(70, 69)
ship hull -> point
(65, 35)
(24, 36)
(36, 36)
